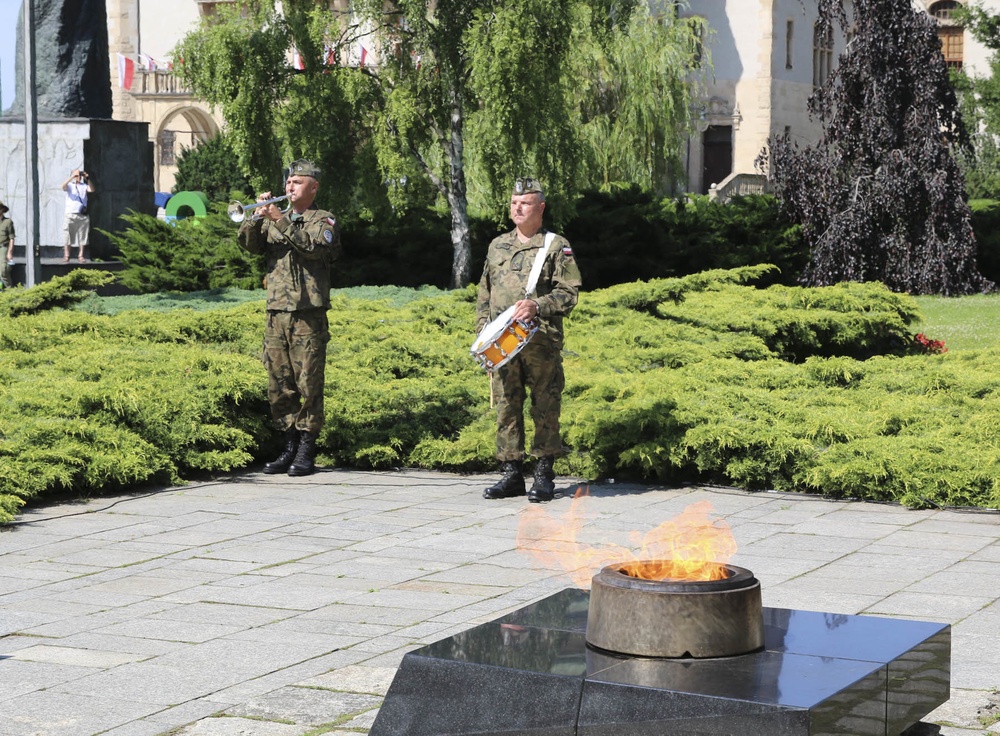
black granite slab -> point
(532, 673)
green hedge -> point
(628, 234)
(697, 378)
(986, 224)
(618, 237)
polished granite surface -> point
(532, 672)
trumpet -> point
(237, 211)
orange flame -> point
(688, 547)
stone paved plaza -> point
(274, 606)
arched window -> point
(822, 55)
(943, 9)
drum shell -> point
(502, 339)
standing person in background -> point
(538, 366)
(300, 247)
(6, 247)
(78, 187)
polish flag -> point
(126, 72)
(364, 56)
(297, 60)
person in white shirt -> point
(77, 224)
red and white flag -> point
(363, 55)
(126, 72)
(148, 62)
(297, 61)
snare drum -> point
(502, 339)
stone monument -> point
(75, 131)
(71, 48)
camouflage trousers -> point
(295, 358)
(538, 367)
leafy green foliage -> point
(880, 196)
(698, 378)
(193, 254)
(980, 100)
(625, 234)
(465, 97)
(620, 235)
(637, 103)
(62, 291)
(236, 61)
(211, 167)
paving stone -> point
(74, 656)
(355, 679)
(310, 706)
(930, 606)
(225, 726)
(963, 707)
(55, 713)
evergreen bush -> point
(986, 224)
(621, 236)
(192, 254)
(213, 168)
(628, 234)
(699, 378)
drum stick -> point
(490, 374)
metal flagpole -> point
(33, 253)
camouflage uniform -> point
(6, 233)
(539, 364)
(300, 250)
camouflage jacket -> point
(505, 276)
(300, 250)
(6, 232)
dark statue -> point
(71, 60)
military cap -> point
(527, 185)
(301, 167)
(3, 207)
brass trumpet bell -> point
(237, 211)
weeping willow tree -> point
(441, 62)
(276, 76)
(573, 92)
(639, 75)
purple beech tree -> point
(880, 197)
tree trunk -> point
(458, 202)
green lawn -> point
(964, 323)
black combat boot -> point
(304, 459)
(543, 489)
(511, 481)
(280, 464)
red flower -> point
(925, 344)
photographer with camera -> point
(77, 224)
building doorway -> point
(718, 152)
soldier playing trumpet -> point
(301, 245)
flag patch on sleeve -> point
(331, 221)
(567, 251)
